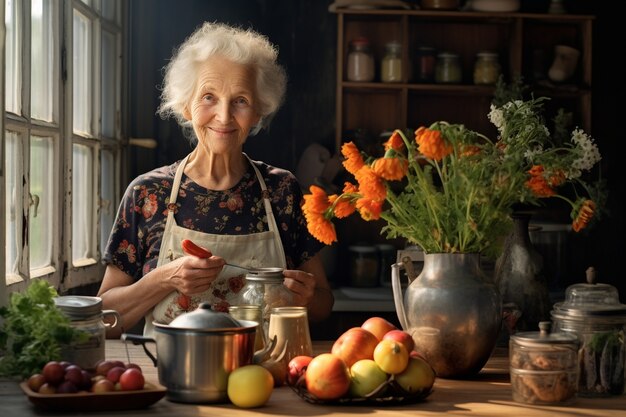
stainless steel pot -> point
(197, 351)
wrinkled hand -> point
(302, 285)
(192, 275)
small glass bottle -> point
(448, 68)
(266, 289)
(487, 68)
(391, 65)
(425, 64)
(360, 61)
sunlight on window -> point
(82, 74)
(13, 57)
(82, 201)
(42, 60)
(13, 219)
(107, 197)
(42, 192)
(109, 68)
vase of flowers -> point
(451, 190)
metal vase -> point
(453, 313)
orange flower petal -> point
(390, 168)
(370, 184)
(354, 160)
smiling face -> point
(223, 108)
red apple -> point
(355, 344)
(402, 337)
(103, 366)
(327, 377)
(132, 379)
(114, 374)
(378, 326)
(35, 382)
(296, 368)
(53, 372)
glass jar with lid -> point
(391, 65)
(426, 58)
(360, 61)
(593, 312)
(86, 314)
(544, 366)
(448, 68)
(264, 287)
(487, 68)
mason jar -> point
(448, 68)
(360, 61)
(487, 68)
(86, 314)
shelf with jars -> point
(448, 62)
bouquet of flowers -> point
(450, 189)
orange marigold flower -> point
(537, 183)
(391, 168)
(431, 144)
(394, 142)
(557, 178)
(369, 209)
(350, 188)
(354, 160)
(321, 228)
(344, 206)
(584, 216)
(370, 184)
(317, 201)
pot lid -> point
(590, 300)
(204, 318)
(544, 337)
(79, 306)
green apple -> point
(418, 376)
(365, 377)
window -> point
(62, 138)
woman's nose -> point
(224, 112)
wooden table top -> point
(488, 394)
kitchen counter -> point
(488, 394)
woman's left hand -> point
(302, 285)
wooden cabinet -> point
(525, 45)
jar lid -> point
(204, 318)
(360, 40)
(448, 55)
(362, 249)
(544, 337)
(78, 307)
(487, 54)
(266, 274)
(393, 45)
(590, 300)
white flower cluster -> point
(589, 153)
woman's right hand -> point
(193, 275)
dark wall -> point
(305, 33)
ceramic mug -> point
(564, 65)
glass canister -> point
(391, 65)
(360, 61)
(363, 266)
(250, 313)
(264, 288)
(86, 314)
(290, 325)
(426, 58)
(592, 311)
(487, 68)
(448, 68)
(544, 366)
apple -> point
(47, 388)
(327, 377)
(365, 377)
(354, 344)
(103, 385)
(296, 368)
(114, 374)
(418, 376)
(103, 366)
(74, 374)
(378, 326)
(402, 337)
(53, 372)
(131, 379)
(250, 386)
(67, 387)
(391, 356)
(133, 365)
(35, 382)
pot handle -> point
(398, 296)
(136, 339)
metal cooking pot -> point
(197, 351)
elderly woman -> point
(223, 84)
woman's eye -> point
(241, 101)
(208, 98)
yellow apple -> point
(365, 377)
(391, 356)
(417, 377)
(250, 386)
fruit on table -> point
(418, 376)
(378, 326)
(365, 377)
(250, 386)
(391, 356)
(354, 344)
(296, 368)
(53, 372)
(402, 337)
(131, 379)
(327, 377)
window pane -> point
(108, 9)
(13, 57)
(107, 210)
(82, 202)
(42, 191)
(82, 74)
(13, 201)
(109, 87)
(42, 60)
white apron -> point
(262, 249)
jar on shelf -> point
(448, 68)
(264, 287)
(426, 57)
(593, 313)
(391, 64)
(487, 68)
(363, 266)
(360, 61)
